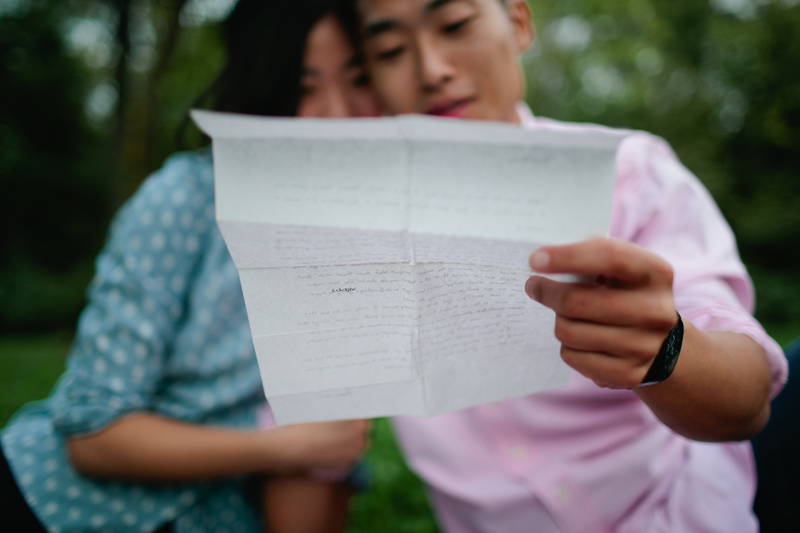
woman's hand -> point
(321, 445)
(612, 329)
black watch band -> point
(667, 357)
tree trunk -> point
(166, 49)
(118, 188)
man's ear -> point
(522, 22)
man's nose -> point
(434, 69)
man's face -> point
(454, 58)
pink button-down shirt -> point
(584, 459)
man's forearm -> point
(719, 390)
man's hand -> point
(612, 327)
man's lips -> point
(450, 108)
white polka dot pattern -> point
(165, 307)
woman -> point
(150, 428)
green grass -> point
(784, 334)
(29, 367)
(395, 501)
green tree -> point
(93, 92)
(52, 196)
(719, 80)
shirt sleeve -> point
(660, 205)
(137, 299)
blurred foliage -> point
(395, 500)
(719, 80)
(53, 199)
(70, 149)
(94, 92)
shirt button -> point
(518, 452)
(562, 493)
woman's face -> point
(333, 83)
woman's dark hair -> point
(265, 42)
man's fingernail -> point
(529, 285)
(540, 259)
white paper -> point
(383, 260)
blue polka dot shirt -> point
(165, 331)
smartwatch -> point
(667, 357)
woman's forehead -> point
(327, 47)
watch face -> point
(664, 363)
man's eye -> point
(306, 90)
(391, 53)
(455, 26)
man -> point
(604, 454)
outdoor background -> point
(92, 93)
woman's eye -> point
(306, 90)
(455, 26)
(391, 53)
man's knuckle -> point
(660, 315)
(629, 383)
(563, 330)
(575, 303)
(667, 316)
(664, 272)
(568, 303)
(618, 252)
(568, 356)
(623, 378)
(643, 351)
(653, 347)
